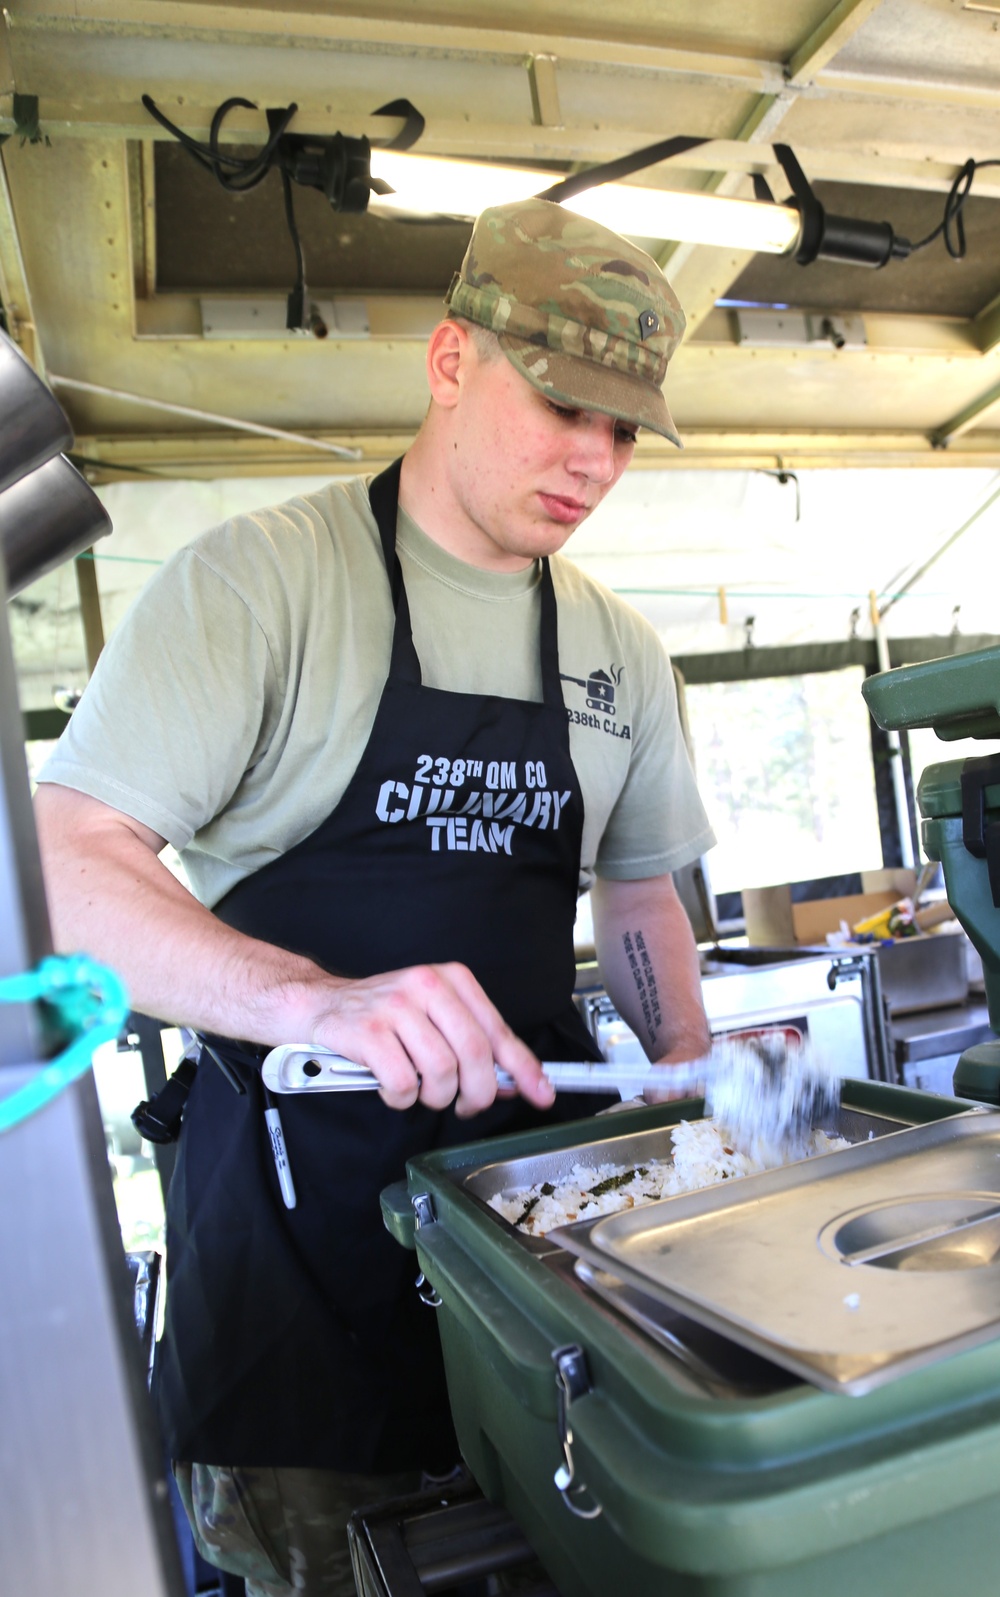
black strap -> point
(383, 495)
(552, 693)
(409, 133)
(624, 166)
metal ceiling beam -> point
(15, 296)
(277, 24)
(920, 91)
(828, 39)
(413, 316)
(882, 168)
(280, 26)
(987, 326)
(90, 608)
(886, 333)
(199, 456)
(942, 437)
(6, 59)
(543, 80)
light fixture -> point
(428, 185)
(354, 172)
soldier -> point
(367, 719)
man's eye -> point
(564, 411)
(626, 435)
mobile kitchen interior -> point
(834, 512)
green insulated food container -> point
(960, 803)
(959, 697)
(663, 1460)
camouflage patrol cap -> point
(588, 318)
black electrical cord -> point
(952, 225)
(338, 166)
(297, 297)
(247, 170)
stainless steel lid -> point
(848, 1270)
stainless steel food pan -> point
(849, 1270)
(508, 1177)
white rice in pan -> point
(702, 1155)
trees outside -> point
(785, 769)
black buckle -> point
(159, 1119)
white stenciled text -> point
(471, 805)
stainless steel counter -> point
(927, 1046)
(934, 1032)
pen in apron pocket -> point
(279, 1151)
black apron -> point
(295, 1337)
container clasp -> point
(572, 1381)
(423, 1209)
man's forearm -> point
(427, 1032)
(110, 896)
(649, 962)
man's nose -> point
(595, 448)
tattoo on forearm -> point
(644, 977)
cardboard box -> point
(813, 919)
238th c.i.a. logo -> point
(600, 686)
(601, 711)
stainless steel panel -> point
(831, 1267)
(921, 973)
(34, 424)
(47, 517)
(714, 1363)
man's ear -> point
(449, 350)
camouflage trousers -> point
(283, 1530)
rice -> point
(703, 1154)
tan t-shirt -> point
(233, 703)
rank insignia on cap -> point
(649, 323)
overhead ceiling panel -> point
(111, 235)
(925, 41)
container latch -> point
(422, 1205)
(980, 836)
(572, 1381)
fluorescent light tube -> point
(428, 185)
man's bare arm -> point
(427, 1032)
(649, 961)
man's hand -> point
(665, 1093)
(430, 1035)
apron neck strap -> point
(383, 495)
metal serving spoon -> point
(769, 1099)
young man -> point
(393, 735)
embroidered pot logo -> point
(599, 687)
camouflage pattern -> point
(283, 1530)
(588, 318)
